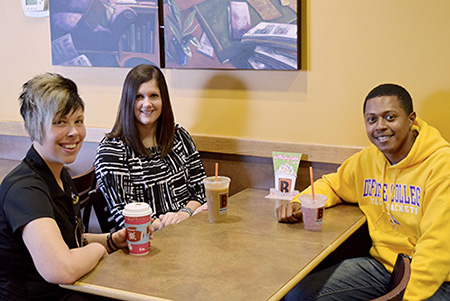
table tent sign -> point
(285, 166)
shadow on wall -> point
(223, 111)
(435, 111)
(224, 107)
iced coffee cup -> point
(312, 211)
(217, 197)
(137, 223)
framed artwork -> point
(194, 34)
(229, 34)
(107, 33)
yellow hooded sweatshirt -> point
(407, 206)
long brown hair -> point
(125, 125)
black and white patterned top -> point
(167, 184)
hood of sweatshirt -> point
(428, 140)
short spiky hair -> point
(392, 90)
(42, 98)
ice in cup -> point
(312, 211)
(137, 223)
(217, 197)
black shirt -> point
(27, 193)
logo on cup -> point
(134, 235)
(284, 185)
(320, 213)
(223, 200)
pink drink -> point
(313, 211)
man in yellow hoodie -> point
(402, 184)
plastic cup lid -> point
(137, 209)
(219, 179)
(307, 201)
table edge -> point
(84, 287)
(319, 258)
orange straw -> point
(312, 182)
(217, 170)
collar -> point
(35, 161)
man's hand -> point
(289, 213)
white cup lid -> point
(137, 209)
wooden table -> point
(250, 256)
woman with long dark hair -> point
(147, 157)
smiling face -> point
(62, 140)
(148, 106)
(388, 127)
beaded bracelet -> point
(187, 210)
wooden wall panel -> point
(257, 172)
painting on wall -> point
(106, 33)
(195, 34)
(228, 34)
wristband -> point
(111, 243)
(187, 210)
(84, 241)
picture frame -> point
(105, 33)
(176, 34)
(229, 34)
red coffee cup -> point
(137, 223)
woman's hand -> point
(155, 224)
(172, 218)
(203, 207)
(176, 217)
(120, 238)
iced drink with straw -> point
(313, 207)
(217, 189)
(313, 210)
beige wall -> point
(351, 46)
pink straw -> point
(312, 182)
